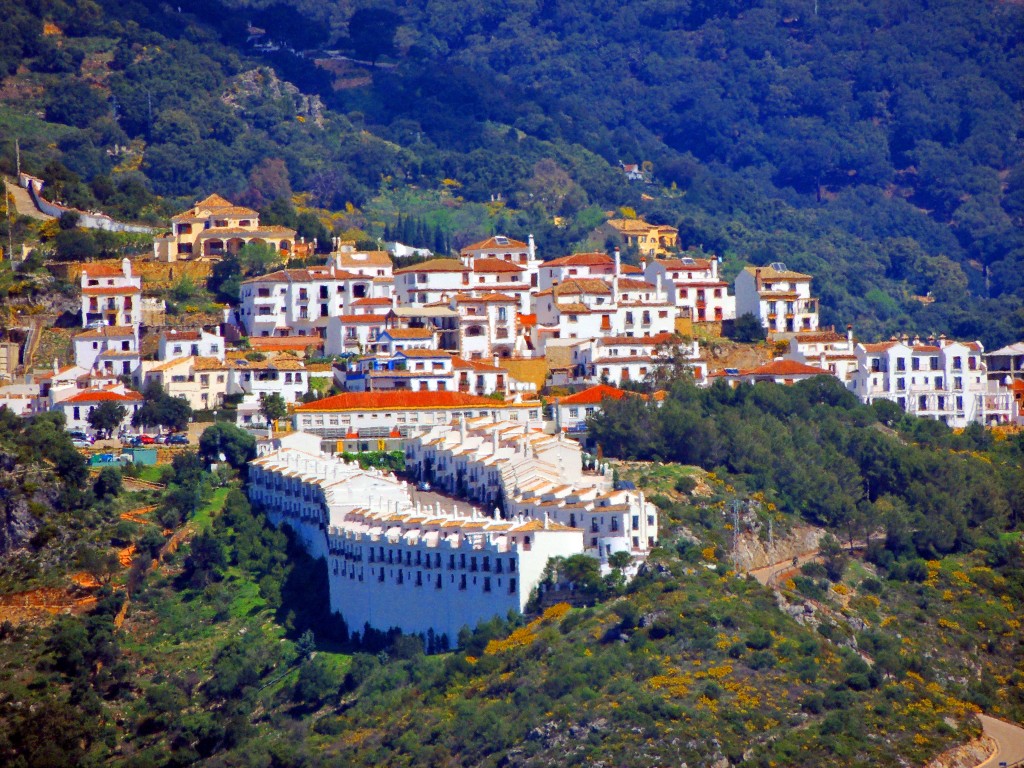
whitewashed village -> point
(482, 368)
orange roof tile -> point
(102, 269)
(495, 265)
(594, 395)
(98, 396)
(410, 333)
(784, 368)
(581, 260)
(382, 401)
(110, 290)
(497, 243)
(435, 265)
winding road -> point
(1009, 739)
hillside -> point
(875, 147)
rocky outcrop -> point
(968, 755)
(753, 552)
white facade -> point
(113, 350)
(300, 302)
(379, 414)
(939, 379)
(617, 359)
(777, 296)
(692, 284)
(534, 475)
(394, 564)
(826, 349)
(195, 343)
(202, 381)
(76, 409)
(503, 248)
(488, 325)
(111, 296)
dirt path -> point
(1009, 740)
(23, 202)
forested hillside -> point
(874, 144)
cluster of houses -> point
(397, 561)
(434, 334)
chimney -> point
(494, 441)
(496, 358)
(849, 338)
(657, 287)
(714, 266)
(531, 249)
(618, 262)
(126, 266)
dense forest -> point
(876, 145)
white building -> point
(394, 564)
(202, 381)
(693, 285)
(421, 370)
(194, 343)
(300, 302)
(112, 349)
(379, 414)
(580, 266)
(438, 280)
(778, 297)
(528, 473)
(618, 359)
(111, 295)
(777, 372)
(503, 248)
(488, 325)
(76, 409)
(830, 351)
(937, 379)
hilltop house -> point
(649, 239)
(214, 227)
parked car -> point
(144, 440)
(78, 434)
(179, 439)
(81, 443)
(160, 439)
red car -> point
(145, 440)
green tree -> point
(226, 442)
(747, 329)
(107, 416)
(108, 483)
(273, 407)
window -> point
(915, 364)
(574, 413)
(901, 364)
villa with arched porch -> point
(214, 228)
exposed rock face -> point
(755, 553)
(967, 755)
(17, 522)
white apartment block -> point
(692, 284)
(532, 474)
(421, 370)
(579, 266)
(617, 359)
(830, 351)
(381, 414)
(111, 295)
(111, 349)
(194, 343)
(778, 297)
(438, 280)
(503, 248)
(395, 564)
(937, 379)
(488, 325)
(300, 302)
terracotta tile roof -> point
(362, 319)
(495, 265)
(784, 368)
(405, 401)
(302, 276)
(118, 353)
(925, 348)
(166, 365)
(102, 269)
(110, 290)
(476, 365)
(267, 343)
(883, 346)
(627, 284)
(435, 353)
(811, 337)
(215, 204)
(99, 396)
(767, 273)
(435, 265)
(585, 285)
(630, 269)
(574, 308)
(108, 332)
(176, 335)
(496, 243)
(581, 260)
(497, 298)
(209, 364)
(410, 333)
(538, 525)
(695, 264)
(370, 302)
(528, 321)
(594, 395)
(661, 338)
(363, 259)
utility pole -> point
(736, 534)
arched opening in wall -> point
(213, 247)
(503, 351)
(234, 244)
(475, 330)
